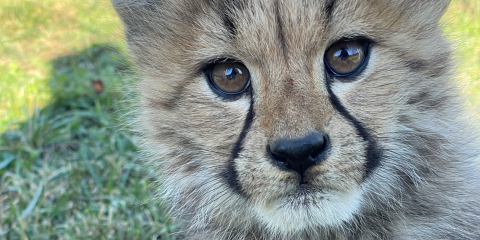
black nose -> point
(300, 154)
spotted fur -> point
(402, 158)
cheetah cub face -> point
(293, 119)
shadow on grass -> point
(70, 170)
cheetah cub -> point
(304, 119)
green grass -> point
(463, 29)
(32, 33)
(68, 169)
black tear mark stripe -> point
(230, 174)
(373, 153)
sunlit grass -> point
(34, 32)
(462, 22)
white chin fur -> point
(301, 211)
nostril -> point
(280, 158)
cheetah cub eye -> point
(228, 78)
(347, 58)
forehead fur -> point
(213, 27)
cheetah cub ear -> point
(311, 119)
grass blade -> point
(33, 202)
(7, 158)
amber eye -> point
(229, 77)
(346, 58)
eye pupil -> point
(343, 54)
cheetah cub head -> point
(289, 117)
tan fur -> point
(426, 185)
